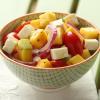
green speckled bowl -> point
(48, 78)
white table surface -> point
(11, 88)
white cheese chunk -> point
(58, 22)
(59, 53)
(9, 45)
(25, 32)
(91, 44)
(11, 36)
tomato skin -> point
(73, 43)
(58, 63)
(16, 36)
(20, 27)
(4, 38)
(44, 55)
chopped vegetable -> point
(73, 43)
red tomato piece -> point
(4, 38)
(16, 36)
(44, 55)
(58, 63)
(73, 43)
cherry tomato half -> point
(73, 43)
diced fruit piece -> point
(73, 43)
(38, 38)
(24, 44)
(44, 63)
(58, 63)
(43, 23)
(25, 50)
(91, 44)
(9, 45)
(25, 32)
(25, 55)
(86, 53)
(57, 23)
(35, 23)
(89, 33)
(58, 39)
(71, 18)
(21, 26)
(75, 59)
(59, 53)
(46, 18)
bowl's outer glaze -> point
(46, 78)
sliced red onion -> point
(51, 39)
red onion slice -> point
(51, 39)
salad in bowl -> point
(50, 49)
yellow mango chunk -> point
(24, 44)
(58, 40)
(24, 49)
(46, 18)
(75, 59)
(25, 55)
(44, 23)
(35, 23)
(38, 38)
(71, 18)
(89, 33)
(86, 53)
(44, 63)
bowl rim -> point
(55, 68)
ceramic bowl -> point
(48, 78)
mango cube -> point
(35, 23)
(38, 38)
(25, 55)
(72, 19)
(75, 59)
(89, 33)
(86, 53)
(46, 18)
(44, 63)
(25, 50)
(58, 40)
(24, 44)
